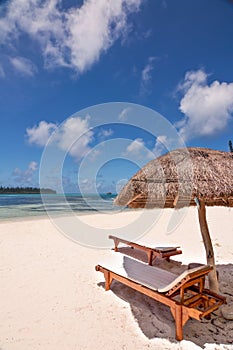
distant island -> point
(25, 190)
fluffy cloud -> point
(96, 186)
(75, 37)
(73, 136)
(32, 166)
(23, 66)
(105, 133)
(40, 134)
(2, 72)
(123, 114)
(146, 76)
(146, 72)
(138, 150)
(87, 186)
(164, 4)
(207, 107)
(160, 145)
(135, 146)
(22, 177)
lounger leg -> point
(150, 257)
(116, 242)
(108, 279)
(181, 316)
(178, 321)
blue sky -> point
(60, 57)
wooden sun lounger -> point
(184, 294)
(152, 253)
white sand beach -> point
(53, 299)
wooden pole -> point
(213, 280)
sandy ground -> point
(52, 298)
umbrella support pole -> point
(213, 279)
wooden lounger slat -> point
(211, 308)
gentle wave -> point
(16, 206)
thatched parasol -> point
(181, 178)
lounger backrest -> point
(186, 276)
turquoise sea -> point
(26, 205)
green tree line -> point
(25, 190)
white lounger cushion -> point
(150, 276)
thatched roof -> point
(179, 176)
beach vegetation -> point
(230, 146)
(25, 190)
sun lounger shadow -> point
(152, 293)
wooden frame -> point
(187, 299)
(152, 253)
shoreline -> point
(77, 213)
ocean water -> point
(26, 205)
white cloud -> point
(147, 34)
(135, 146)
(32, 166)
(104, 133)
(96, 186)
(123, 115)
(94, 154)
(146, 72)
(160, 145)
(207, 107)
(40, 134)
(87, 185)
(25, 177)
(41, 19)
(146, 76)
(193, 77)
(73, 38)
(164, 4)
(138, 149)
(73, 136)
(23, 66)
(2, 72)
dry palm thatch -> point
(193, 172)
(181, 178)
